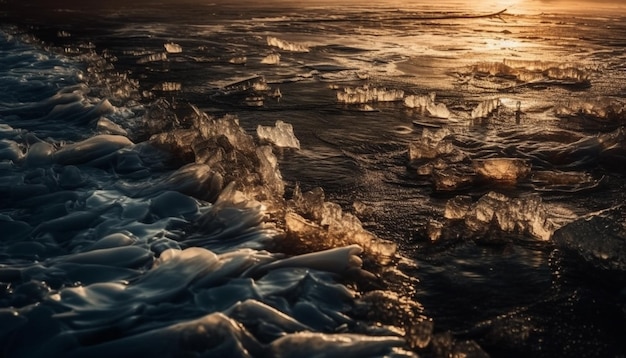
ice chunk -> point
(457, 207)
(271, 59)
(285, 45)
(272, 185)
(453, 177)
(602, 108)
(524, 215)
(365, 94)
(434, 229)
(171, 47)
(168, 87)
(256, 83)
(427, 105)
(502, 169)
(430, 145)
(511, 73)
(155, 57)
(281, 135)
(485, 108)
(327, 226)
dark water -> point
(471, 171)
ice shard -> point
(171, 47)
(486, 108)
(523, 215)
(281, 135)
(427, 105)
(366, 94)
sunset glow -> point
(316, 178)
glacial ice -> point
(281, 135)
(427, 105)
(486, 108)
(365, 94)
(285, 45)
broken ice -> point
(281, 135)
(502, 169)
(171, 47)
(427, 105)
(365, 94)
(486, 108)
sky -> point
(572, 5)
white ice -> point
(281, 135)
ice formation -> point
(315, 223)
(155, 57)
(603, 109)
(503, 169)
(254, 83)
(285, 45)
(512, 73)
(427, 105)
(431, 144)
(171, 47)
(168, 87)
(281, 135)
(365, 94)
(486, 108)
(523, 215)
(224, 146)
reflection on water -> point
(389, 179)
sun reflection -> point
(503, 44)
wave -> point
(157, 229)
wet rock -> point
(599, 238)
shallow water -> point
(471, 172)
